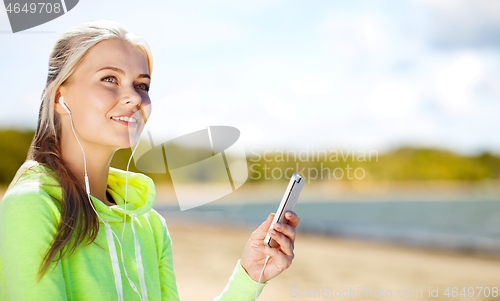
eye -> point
(113, 80)
(145, 87)
(111, 77)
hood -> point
(141, 193)
(141, 190)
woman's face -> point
(111, 81)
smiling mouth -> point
(130, 123)
(127, 119)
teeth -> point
(127, 119)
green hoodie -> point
(29, 214)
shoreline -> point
(362, 191)
(334, 191)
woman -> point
(95, 102)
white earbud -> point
(61, 101)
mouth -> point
(128, 121)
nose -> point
(132, 98)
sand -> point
(205, 256)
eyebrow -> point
(122, 72)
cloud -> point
(189, 29)
(392, 99)
(21, 113)
(4, 20)
(279, 109)
(355, 35)
(246, 6)
(456, 82)
(307, 86)
(463, 23)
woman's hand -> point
(280, 258)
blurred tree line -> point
(400, 164)
(14, 146)
(404, 163)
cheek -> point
(101, 104)
(146, 109)
(148, 112)
(95, 103)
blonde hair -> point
(68, 52)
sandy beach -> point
(329, 267)
(205, 255)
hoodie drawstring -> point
(138, 258)
(116, 266)
(114, 260)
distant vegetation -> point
(14, 147)
(400, 164)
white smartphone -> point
(287, 203)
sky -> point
(296, 74)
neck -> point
(98, 159)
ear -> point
(57, 106)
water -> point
(465, 226)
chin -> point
(124, 143)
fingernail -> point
(272, 232)
(255, 245)
(277, 226)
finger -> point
(285, 243)
(261, 231)
(281, 260)
(293, 218)
(287, 230)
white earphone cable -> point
(261, 273)
(126, 186)
(87, 187)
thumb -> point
(261, 232)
